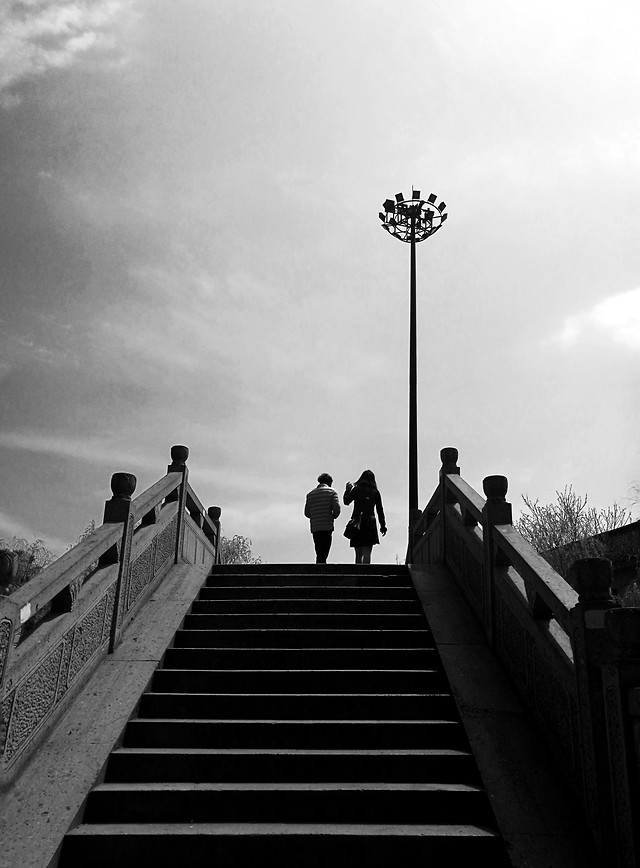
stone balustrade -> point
(55, 629)
(572, 655)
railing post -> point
(591, 578)
(214, 513)
(179, 455)
(9, 625)
(414, 518)
(120, 509)
(621, 685)
(9, 613)
(449, 459)
(496, 511)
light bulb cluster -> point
(414, 218)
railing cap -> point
(123, 485)
(591, 577)
(449, 455)
(495, 487)
(179, 454)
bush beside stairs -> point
(301, 714)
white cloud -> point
(10, 528)
(38, 36)
(86, 449)
(616, 318)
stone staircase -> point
(301, 714)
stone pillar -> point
(449, 459)
(9, 627)
(591, 578)
(119, 509)
(179, 455)
(496, 511)
(620, 684)
(9, 613)
(214, 513)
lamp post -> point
(412, 220)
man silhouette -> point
(321, 507)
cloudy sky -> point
(191, 252)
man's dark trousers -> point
(322, 542)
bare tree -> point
(237, 550)
(564, 531)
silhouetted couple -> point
(322, 507)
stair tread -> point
(288, 829)
(309, 589)
(334, 631)
(253, 649)
(415, 616)
(266, 786)
(278, 766)
(255, 721)
(266, 672)
(343, 695)
(295, 752)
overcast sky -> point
(191, 253)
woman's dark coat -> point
(366, 500)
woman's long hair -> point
(367, 478)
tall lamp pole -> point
(412, 220)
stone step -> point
(310, 580)
(300, 658)
(301, 716)
(296, 734)
(306, 621)
(299, 681)
(314, 845)
(320, 638)
(220, 591)
(287, 803)
(306, 606)
(368, 766)
(301, 706)
(332, 571)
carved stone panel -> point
(165, 544)
(512, 639)
(33, 701)
(454, 551)
(67, 647)
(5, 716)
(87, 639)
(473, 577)
(109, 598)
(142, 570)
(5, 645)
(556, 706)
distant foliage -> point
(32, 558)
(237, 550)
(89, 529)
(563, 532)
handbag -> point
(353, 527)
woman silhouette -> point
(366, 498)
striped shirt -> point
(321, 507)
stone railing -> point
(56, 628)
(572, 655)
